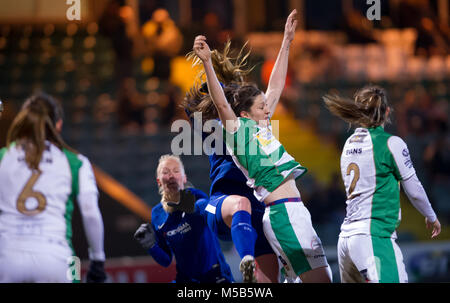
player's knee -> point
(242, 203)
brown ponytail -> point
(33, 125)
(367, 109)
(229, 71)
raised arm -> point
(279, 72)
(224, 109)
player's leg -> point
(231, 216)
(382, 258)
(347, 269)
(50, 268)
(289, 230)
(317, 275)
(236, 214)
(402, 274)
(15, 267)
(362, 254)
(268, 269)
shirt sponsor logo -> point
(408, 163)
(182, 229)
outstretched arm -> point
(224, 109)
(406, 174)
(418, 198)
(279, 72)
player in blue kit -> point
(234, 213)
(179, 228)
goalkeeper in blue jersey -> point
(179, 228)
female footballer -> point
(270, 171)
(40, 179)
(373, 162)
(179, 229)
(234, 212)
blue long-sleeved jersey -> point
(195, 247)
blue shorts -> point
(223, 232)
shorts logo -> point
(316, 245)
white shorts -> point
(289, 230)
(366, 258)
(27, 266)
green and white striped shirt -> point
(261, 157)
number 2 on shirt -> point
(355, 168)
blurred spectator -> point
(359, 29)
(116, 23)
(433, 38)
(169, 105)
(131, 106)
(212, 30)
(163, 41)
(104, 108)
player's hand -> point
(291, 25)
(187, 202)
(96, 273)
(145, 235)
(436, 225)
(201, 48)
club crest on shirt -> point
(265, 137)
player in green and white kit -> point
(40, 179)
(245, 111)
(373, 163)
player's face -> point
(171, 176)
(259, 111)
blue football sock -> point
(243, 234)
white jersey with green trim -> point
(37, 205)
(372, 164)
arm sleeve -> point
(416, 194)
(404, 168)
(90, 212)
(161, 251)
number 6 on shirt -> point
(28, 192)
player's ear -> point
(244, 114)
(158, 182)
(58, 125)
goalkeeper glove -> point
(187, 202)
(145, 235)
(96, 273)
